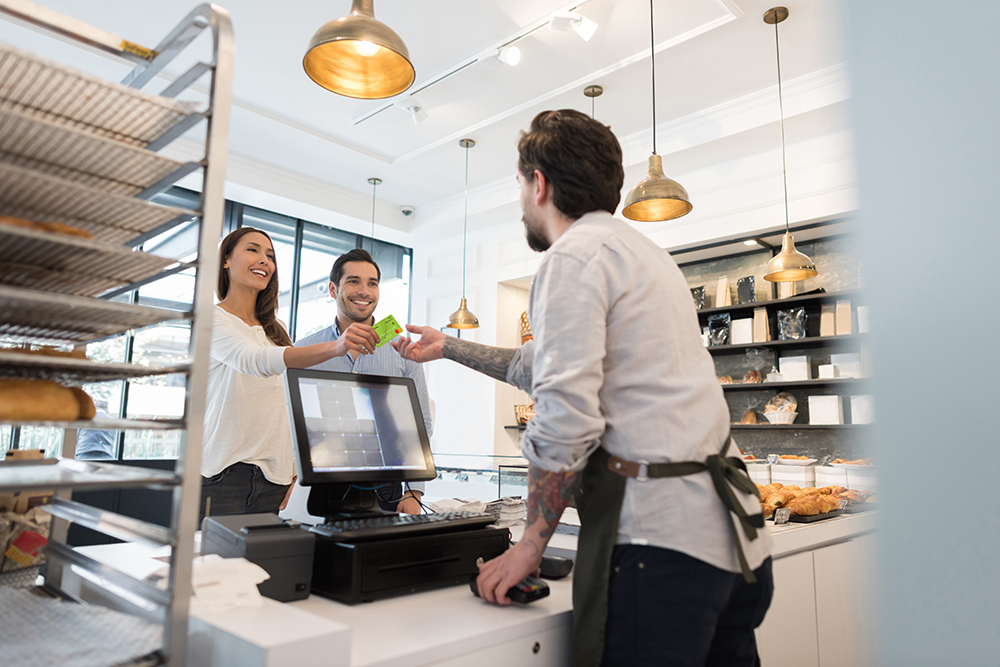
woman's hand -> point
(428, 348)
(359, 338)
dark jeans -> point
(668, 609)
(240, 489)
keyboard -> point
(403, 525)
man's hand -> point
(499, 575)
(409, 504)
(428, 348)
(358, 337)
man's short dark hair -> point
(579, 156)
(356, 255)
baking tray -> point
(83, 158)
(37, 259)
(810, 519)
(60, 94)
(73, 372)
(861, 507)
(30, 315)
(109, 217)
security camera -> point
(406, 210)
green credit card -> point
(387, 329)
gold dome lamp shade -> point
(359, 56)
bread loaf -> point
(37, 400)
(51, 227)
(87, 409)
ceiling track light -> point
(509, 55)
(417, 111)
(358, 56)
(655, 198)
(789, 265)
(463, 317)
(581, 25)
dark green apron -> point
(599, 502)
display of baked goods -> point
(856, 462)
(808, 501)
(749, 417)
(782, 402)
(51, 227)
(794, 456)
(725, 379)
(43, 400)
(752, 377)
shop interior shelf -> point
(516, 427)
(40, 87)
(798, 427)
(802, 384)
(35, 315)
(813, 341)
(85, 158)
(782, 304)
(66, 264)
(72, 371)
(110, 523)
(112, 218)
(73, 474)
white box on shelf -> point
(759, 471)
(799, 475)
(862, 478)
(741, 331)
(844, 324)
(761, 327)
(827, 320)
(829, 372)
(863, 325)
(830, 476)
(849, 364)
(722, 295)
(795, 369)
(826, 410)
(862, 409)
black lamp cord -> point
(652, 63)
(781, 122)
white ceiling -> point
(708, 54)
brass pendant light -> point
(657, 197)
(463, 318)
(789, 265)
(593, 92)
(359, 56)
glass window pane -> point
(394, 294)
(6, 433)
(321, 246)
(281, 229)
(42, 437)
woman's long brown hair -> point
(266, 308)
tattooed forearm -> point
(491, 361)
(548, 495)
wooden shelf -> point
(797, 343)
(797, 427)
(802, 384)
(516, 427)
(781, 304)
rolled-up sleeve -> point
(232, 348)
(519, 371)
(569, 306)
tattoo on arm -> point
(491, 361)
(548, 495)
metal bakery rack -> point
(78, 150)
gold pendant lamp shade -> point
(463, 318)
(789, 265)
(359, 56)
(657, 197)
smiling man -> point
(354, 285)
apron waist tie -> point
(725, 472)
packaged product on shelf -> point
(792, 323)
(718, 329)
(745, 292)
(698, 294)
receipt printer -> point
(283, 549)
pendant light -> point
(374, 182)
(789, 265)
(359, 56)
(655, 198)
(463, 317)
(593, 92)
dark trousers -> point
(671, 610)
(240, 489)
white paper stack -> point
(457, 505)
(508, 511)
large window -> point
(305, 252)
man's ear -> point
(542, 188)
(333, 290)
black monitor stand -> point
(340, 501)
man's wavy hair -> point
(579, 156)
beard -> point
(534, 235)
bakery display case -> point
(78, 166)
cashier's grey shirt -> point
(618, 361)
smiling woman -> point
(247, 463)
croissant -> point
(827, 503)
(768, 489)
(767, 510)
(791, 487)
(805, 506)
(832, 490)
(872, 499)
(853, 497)
(810, 491)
